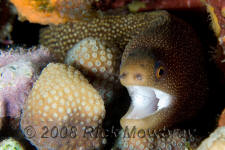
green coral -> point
(10, 144)
(136, 5)
(44, 5)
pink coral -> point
(35, 55)
(18, 70)
(16, 80)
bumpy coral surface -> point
(164, 140)
(95, 58)
(53, 11)
(19, 69)
(216, 140)
(10, 144)
(99, 61)
(113, 29)
(63, 100)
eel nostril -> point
(138, 76)
(123, 75)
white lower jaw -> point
(146, 101)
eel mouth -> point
(146, 101)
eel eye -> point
(159, 72)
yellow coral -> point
(215, 23)
(63, 98)
(96, 57)
(99, 61)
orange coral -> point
(26, 9)
(52, 11)
(63, 100)
(222, 119)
